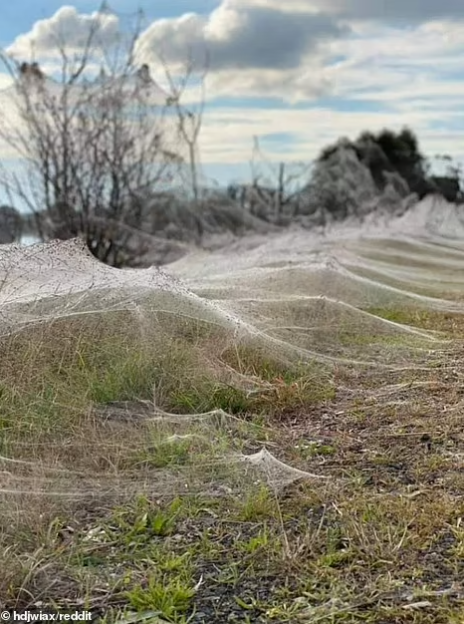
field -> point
(275, 436)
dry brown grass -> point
(101, 508)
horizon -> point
(336, 72)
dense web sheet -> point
(296, 298)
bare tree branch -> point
(95, 145)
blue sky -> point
(297, 74)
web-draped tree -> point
(95, 140)
(395, 157)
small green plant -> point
(139, 524)
(167, 453)
(169, 597)
(458, 533)
(256, 543)
(171, 562)
(405, 316)
(127, 377)
(256, 505)
(208, 397)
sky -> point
(296, 74)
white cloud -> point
(239, 36)
(384, 11)
(227, 133)
(66, 27)
(393, 64)
(412, 11)
(298, 50)
(302, 84)
(378, 44)
(251, 48)
(259, 48)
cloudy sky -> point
(296, 73)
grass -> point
(108, 507)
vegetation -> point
(97, 139)
(109, 156)
(395, 158)
(156, 467)
(109, 507)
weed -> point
(168, 597)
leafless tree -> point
(94, 143)
(282, 183)
(274, 191)
(189, 121)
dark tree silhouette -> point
(11, 225)
(389, 152)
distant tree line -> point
(390, 152)
(385, 171)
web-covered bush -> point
(340, 185)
